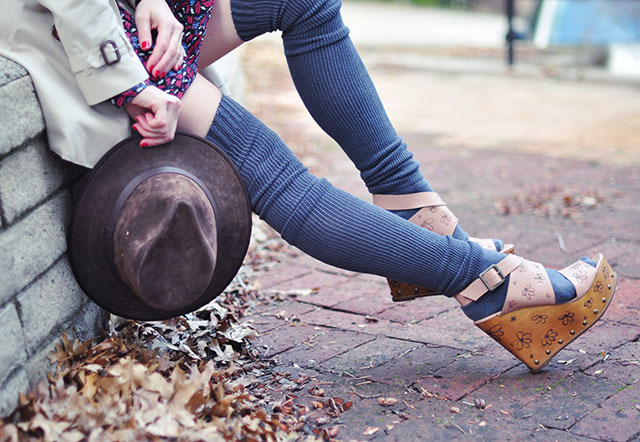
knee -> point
(303, 15)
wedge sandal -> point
(434, 215)
(528, 327)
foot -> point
(493, 301)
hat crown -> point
(165, 242)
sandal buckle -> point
(486, 283)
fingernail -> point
(143, 144)
(162, 74)
(145, 45)
(156, 74)
(134, 127)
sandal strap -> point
(529, 286)
(438, 219)
(485, 243)
(581, 275)
(408, 201)
(489, 280)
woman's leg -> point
(332, 82)
(323, 221)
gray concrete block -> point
(88, 323)
(32, 245)
(10, 71)
(39, 364)
(12, 387)
(50, 305)
(20, 114)
(12, 352)
(46, 174)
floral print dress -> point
(194, 16)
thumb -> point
(144, 29)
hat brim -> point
(197, 156)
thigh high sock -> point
(331, 225)
(339, 229)
(337, 90)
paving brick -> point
(369, 355)
(454, 329)
(433, 331)
(466, 373)
(576, 244)
(20, 114)
(46, 174)
(288, 336)
(33, 244)
(10, 390)
(471, 424)
(418, 309)
(517, 387)
(287, 310)
(58, 294)
(403, 370)
(615, 251)
(327, 344)
(621, 366)
(314, 280)
(568, 401)
(12, 352)
(625, 307)
(366, 287)
(10, 71)
(284, 271)
(603, 337)
(618, 418)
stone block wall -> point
(39, 297)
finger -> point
(163, 40)
(171, 53)
(148, 136)
(144, 28)
(152, 125)
(178, 64)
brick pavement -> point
(342, 329)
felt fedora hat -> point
(159, 232)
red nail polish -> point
(134, 127)
(143, 144)
(156, 74)
(162, 74)
(145, 45)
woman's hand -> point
(156, 114)
(168, 52)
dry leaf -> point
(387, 401)
(369, 431)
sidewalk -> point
(569, 187)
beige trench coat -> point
(71, 76)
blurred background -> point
(554, 77)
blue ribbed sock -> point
(331, 225)
(336, 88)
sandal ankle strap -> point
(408, 201)
(489, 280)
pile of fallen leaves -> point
(191, 378)
(184, 379)
(549, 202)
